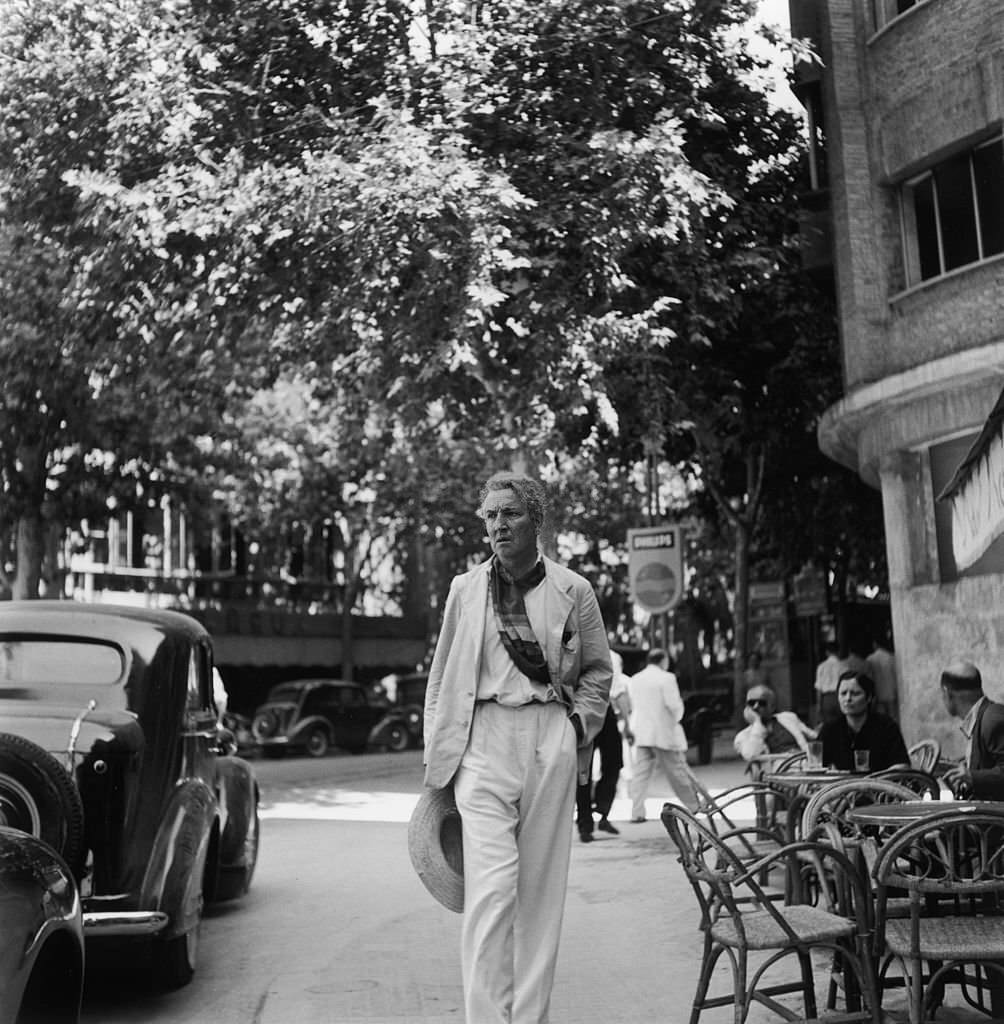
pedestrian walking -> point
(599, 796)
(517, 690)
(658, 734)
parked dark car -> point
(112, 754)
(704, 711)
(41, 933)
(402, 726)
(314, 715)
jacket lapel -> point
(475, 605)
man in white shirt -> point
(657, 730)
(882, 668)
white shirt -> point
(499, 679)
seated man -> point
(769, 731)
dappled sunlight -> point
(321, 803)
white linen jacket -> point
(578, 661)
(656, 709)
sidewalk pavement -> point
(630, 947)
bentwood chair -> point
(922, 782)
(952, 867)
(749, 817)
(823, 818)
(924, 755)
(756, 931)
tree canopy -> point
(332, 261)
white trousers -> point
(515, 791)
(674, 765)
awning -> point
(976, 492)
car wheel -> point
(175, 959)
(317, 742)
(38, 796)
(398, 738)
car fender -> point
(41, 904)
(379, 731)
(237, 792)
(173, 881)
(302, 727)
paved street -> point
(629, 950)
(339, 930)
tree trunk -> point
(31, 534)
(30, 552)
(348, 635)
(740, 615)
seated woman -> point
(860, 727)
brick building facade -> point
(905, 111)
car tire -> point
(39, 797)
(174, 960)
(398, 738)
(316, 742)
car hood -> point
(59, 728)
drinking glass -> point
(862, 760)
(814, 754)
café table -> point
(808, 779)
(896, 815)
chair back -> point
(706, 862)
(756, 802)
(922, 783)
(954, 853)
(725, 886)
(831, 803)
(924, 755)
(793, 763)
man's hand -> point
(959, 781)
(750, 716)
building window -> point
(886, 10)
(953, 214)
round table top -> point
(906, 812)
(810, 776)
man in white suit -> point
(518, 689)
(656, 725)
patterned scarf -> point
(515, 631)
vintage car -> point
(402, 725)
(113, 755)
(41, 933)
(314, 715)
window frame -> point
(908, 191)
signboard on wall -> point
(655, 567)
(976, 492)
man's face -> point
(951, 706)
(510, 528)
(758, 700)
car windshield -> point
(57, 660)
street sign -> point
(655, 567)
(809, 591)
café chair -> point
(925, 754)
(951, 866)
(732, 807)
(794, 763)
(923, 783)
(823, 818)
(756, 931)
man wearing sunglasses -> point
(769, 731)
